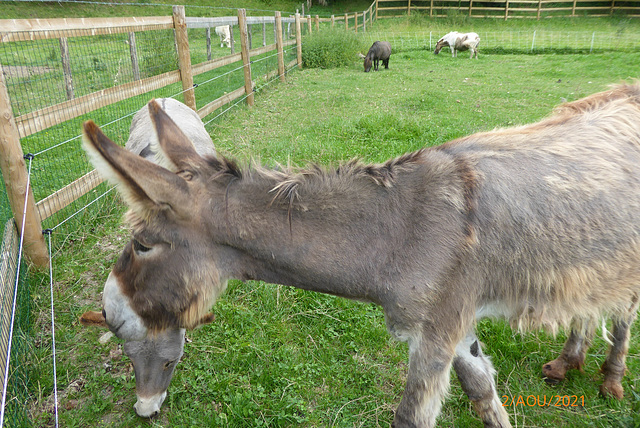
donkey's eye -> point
(169, 364)
(139, 248)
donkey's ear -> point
(177, 148)
(144, 185)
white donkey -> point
(142, 134)
(224, 31)
(459, 42)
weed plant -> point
(330, 48)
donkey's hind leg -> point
(614, 366)
(476, 375)
(573, 352)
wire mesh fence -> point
(15, 324)
(518, 42)
(56, 79)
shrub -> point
(331, 49)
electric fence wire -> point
(53, 334)
(239, 100)
(62, 143)
(15, 295)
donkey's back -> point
(557, 215)
(142, 137)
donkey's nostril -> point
(154, 414)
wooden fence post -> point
(333, 21)
(539, 8)
(246, 61)
(409, 8)
(133, 51)
(364, 21)
(232, 41)
(184, 57)
(506, 10)
(15, 175)
(208, 35)
(346, 22)
(279, 46)
(376, 10)
(309, 23)
(298, 40)
(470, 7)
(66, 67)
(355, 24)
(317, 21)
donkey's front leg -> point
(476, 375)
(427, 381)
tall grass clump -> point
(330, 49)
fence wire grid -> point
(45, 75)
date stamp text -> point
(543, 400)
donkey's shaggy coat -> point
(538, 224)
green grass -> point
(281, 357)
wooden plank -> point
(69, 193)
(211, 22)
(12, 30)
(203, 67)
(216, 104)
(262, 49)
(47, 117)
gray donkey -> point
(538, 224)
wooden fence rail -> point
(506, 9)
(77, 103)
(13, 166)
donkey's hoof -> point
(612, 389)
(554, 371)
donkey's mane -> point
(285, 182)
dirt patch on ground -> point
(24, 70)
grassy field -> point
(281, 357)
(277, 356)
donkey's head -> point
(166, 278)
(441, 44)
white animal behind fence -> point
(459, 42)
(224, 32)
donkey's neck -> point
(342, 232)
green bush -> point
(331, 49)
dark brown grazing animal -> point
(379, 51)
(537, 224)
